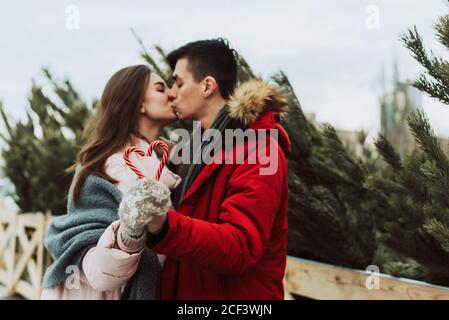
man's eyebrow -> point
(176, 77)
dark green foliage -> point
(39, 149)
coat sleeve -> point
(107, 267)
(237, 241)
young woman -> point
(97, 255)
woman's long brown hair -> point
(113, 124)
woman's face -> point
(156, 105)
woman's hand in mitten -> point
(145, 201)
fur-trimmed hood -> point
(254, 98)
(259, 105)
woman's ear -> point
(210, 86)
(142, 109)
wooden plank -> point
(27, 290)
(8, 220)
(327, 282)
(32, 220)
(30, 287)
(6, 216)
(7, 226)
(4, 292)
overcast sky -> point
(333, 52)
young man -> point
(227, 237)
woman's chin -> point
(172, 118)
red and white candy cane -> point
(164, 146)
(128, 162)
(140, 152)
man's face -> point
(187, 94)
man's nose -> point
(171, 94)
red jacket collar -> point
(270, 120)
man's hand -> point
(154, 226)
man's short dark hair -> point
(209, 58)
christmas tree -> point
(40, 149)
(414, 218)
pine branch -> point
(433, 65)
(425, 136)
(387, 151)
(245, 72)
(282, 80)
(5, 119)
(145, 55)
(162, 54)
(442, 30)
(439, 232)
(432, 88)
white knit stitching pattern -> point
(144, 200)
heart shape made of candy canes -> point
(149, 152)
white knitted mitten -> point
(144, 200)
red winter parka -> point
(228, 238)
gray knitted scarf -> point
(70, 236)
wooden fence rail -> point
(317, 280)
(22, 255)
(23, 261)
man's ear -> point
(210, 86)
